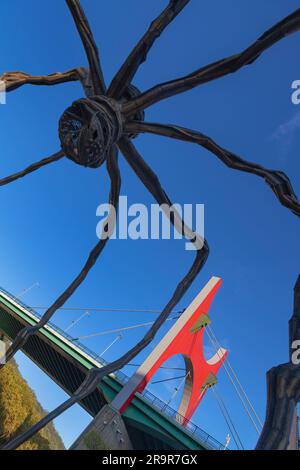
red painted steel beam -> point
(185, 338)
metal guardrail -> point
(189, 426)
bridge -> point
(151, 423)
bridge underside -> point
(67, 375)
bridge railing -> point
(159, 404)
(192, 428)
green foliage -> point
(93, 441)
(19, 410)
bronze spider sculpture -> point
(92, 130)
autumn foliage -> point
(19, 410)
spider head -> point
(89, 128)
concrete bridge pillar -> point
(4, 345)
(107, 431)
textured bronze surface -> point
(89, 128)
(283, 394)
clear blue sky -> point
(49, 218)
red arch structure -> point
(186, 338)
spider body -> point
(91, 126)
(131, 92)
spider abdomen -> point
(89, 128)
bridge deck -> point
(150, 422)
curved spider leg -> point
(89, 45)
(124, 76)
(151, 182)
(115, 179)
(218, 69)
(33, 167)
(277, 180)
(95, 375)
(14, 80)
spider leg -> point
(124, 76)
(115, 183)
(281, 404)
(14, 80)
(35, 166)
(218, 69)
(151, 182)
(277, 180)
(89, 45)
(95, 375)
